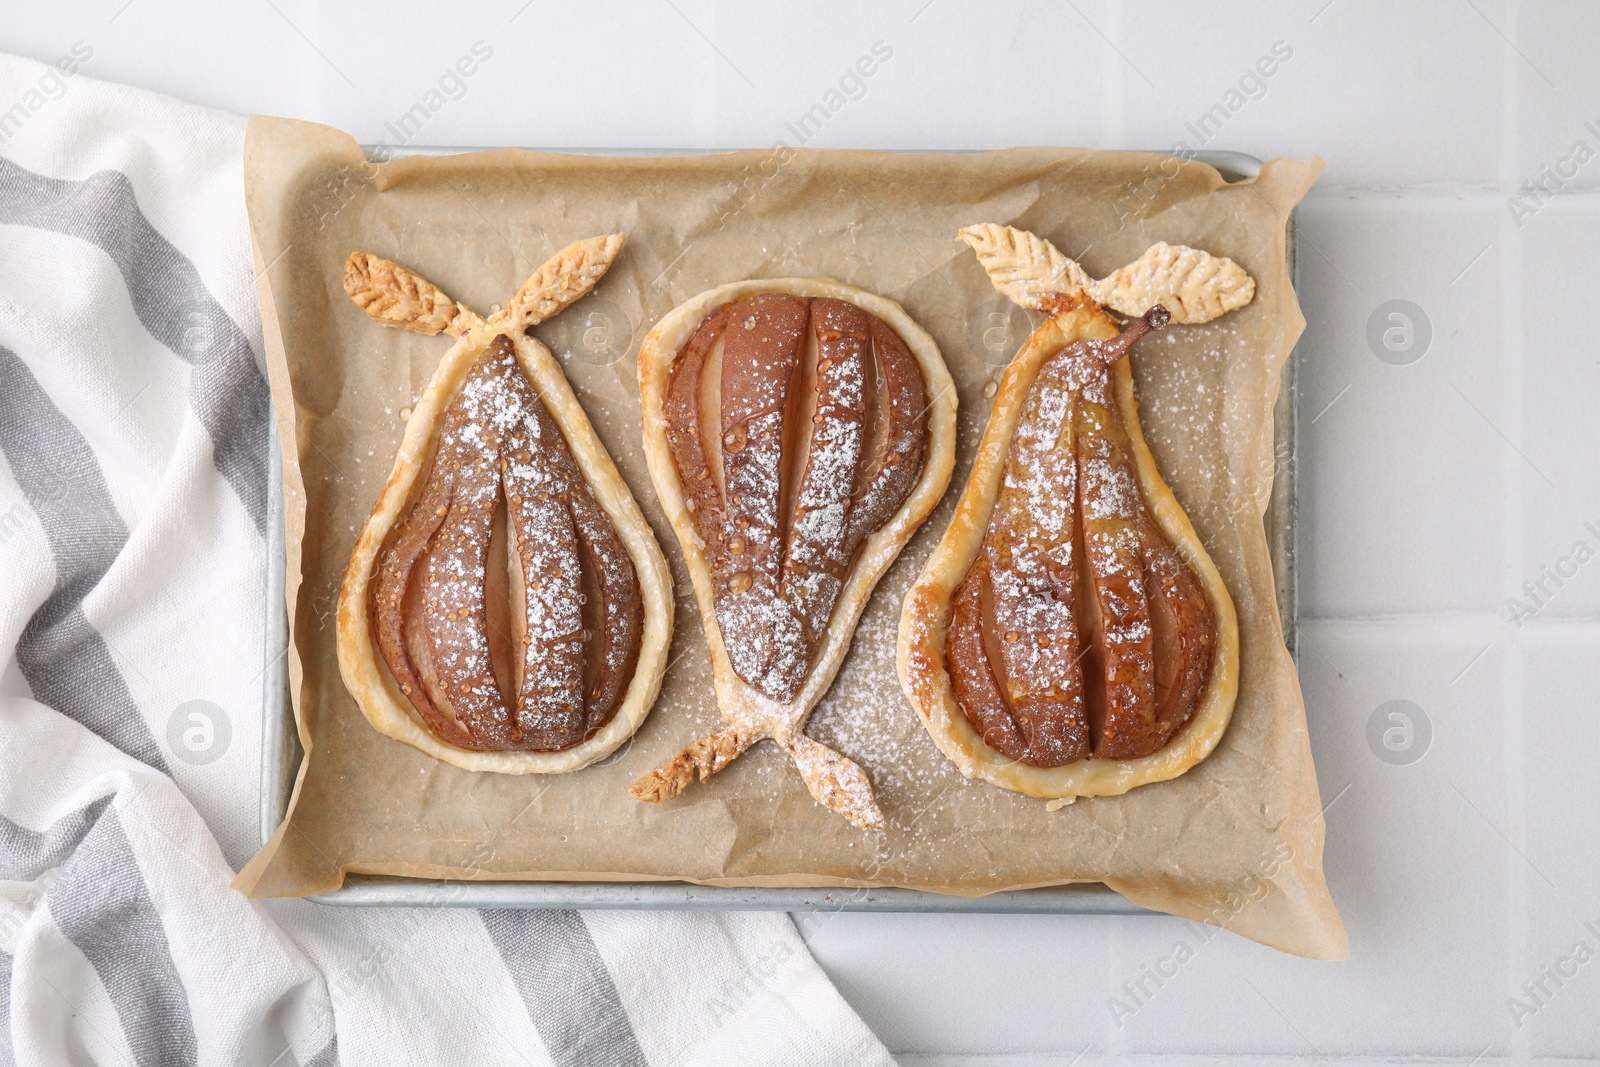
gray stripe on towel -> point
(65, 660)
(101, 904)
(226, 391)
(328, 1057)
(565, 987)
(26, 854)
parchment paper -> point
(1237, 841)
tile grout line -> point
(1514, 375)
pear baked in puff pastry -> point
(1070, 636)
(506, 607)
(798, 431)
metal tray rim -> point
(281, 752)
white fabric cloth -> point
(132, 507)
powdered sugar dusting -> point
(855, 399)
(1071, 483)
(498, 445)
(776, 582)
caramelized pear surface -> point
(798, 427)
(505, 604)
(1080, 631)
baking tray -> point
(281, 752)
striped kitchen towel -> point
(133, 481)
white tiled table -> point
(1431, 492)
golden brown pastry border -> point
(925, 617)
(745, 711)
(368, 677)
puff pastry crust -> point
(1024, 267)
(749, 713)
(400, 298)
